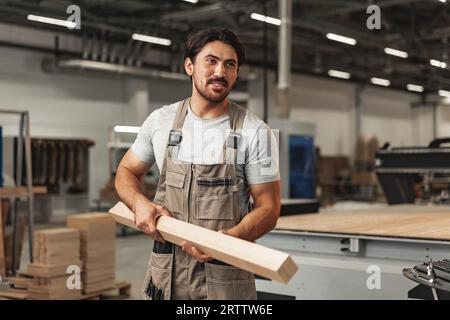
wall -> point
(327, 104)
(387, 115)
(330, 105)
(443, 119)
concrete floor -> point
(132, 255)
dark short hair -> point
(197, 40)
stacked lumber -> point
(16, 288)
(20, 282)
(97, 235)
(55, 251)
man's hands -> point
(195, 252)
(145, 214)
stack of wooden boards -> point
(86, 245)
(55, 252)
(97, 235)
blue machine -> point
(302, 169)
(297, 169)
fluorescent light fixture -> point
(191, 1)
(380, 82)
(58, 22)
(336, 37)
(267, 19)
(414, 87)
(438, 64)
(155, 40)
(126, 129)
(443, 1)
(395, 52)
(339, 74)
(444, 93)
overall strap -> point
(237, 116)
(173, 140)
(181, 114)
(232, 141)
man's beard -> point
(211, 97)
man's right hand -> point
(146, 213)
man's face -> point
(214, 72)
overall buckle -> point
(233, 140)
(175, 137)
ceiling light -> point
(58, 22)
(414, 87)
(267, 19)
(380, 82)
(191, 1)
(155, 40)
(339, 74)
(437, 63)
(126, 129)
(444, 93)
(336, 37)
(395, 52)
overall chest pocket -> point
(174, 198)
(216, 198)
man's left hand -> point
(195, 252)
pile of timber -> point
(55, 252)
(97, 250)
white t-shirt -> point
(203, 141)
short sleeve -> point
(262, 160)
(143, 146)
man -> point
(207, 173)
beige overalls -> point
(207, 196)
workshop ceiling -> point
(419, 27)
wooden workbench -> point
(402, 221)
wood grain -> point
(403, 221)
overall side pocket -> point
(158, 280)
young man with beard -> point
(212, 155)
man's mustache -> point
(222, 80)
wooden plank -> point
(48, 271)
(21, 191)
(20, 283)
(402, 221)
(14, 294)
(249, 256)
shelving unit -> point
(23, 149)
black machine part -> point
(400, 169)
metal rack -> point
(24, 145)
